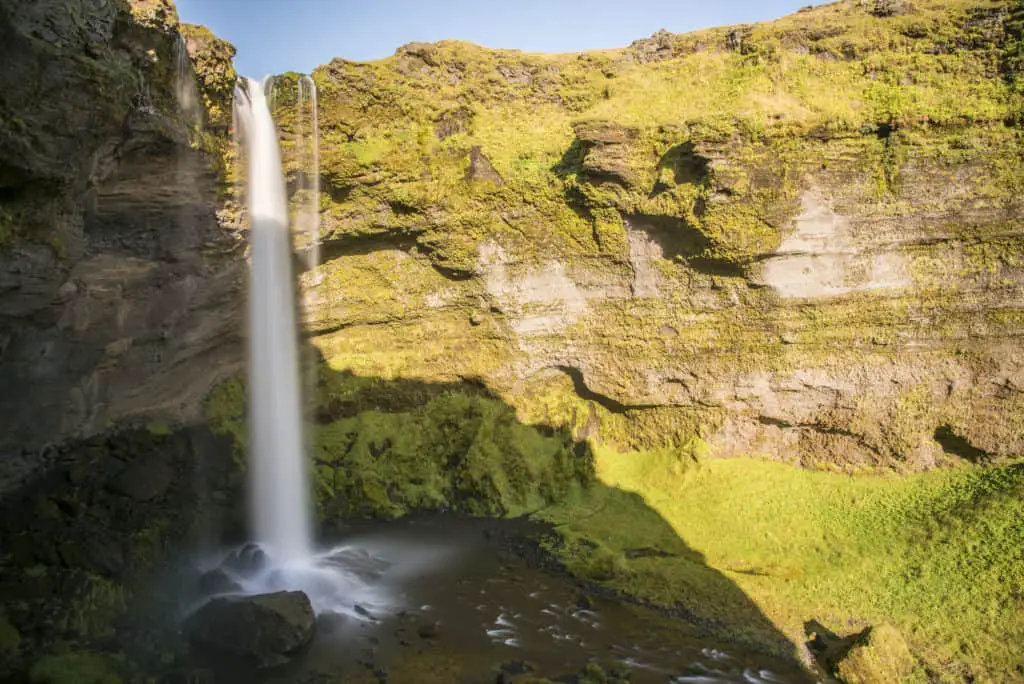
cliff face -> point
(800, 239)
(120, 295)
(119, 290)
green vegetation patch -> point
(74, 668)
(939, 555)
(386, 448)
(460, 452)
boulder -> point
(879, 655)
(266, 628)
(248, 559)
(608, 152)
(217, 581)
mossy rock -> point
(388, 448)
(74, 668)
(880, 656)
(10, 639)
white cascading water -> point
(309, 182)
(279, 483)
(185, 90)
(339, 578)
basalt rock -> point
(119, 288)
(79, 553)
(147, 479)
(267, 628)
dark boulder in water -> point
(217, 581)
(248, 559)
(266, 628)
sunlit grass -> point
(940, 555)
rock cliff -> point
(801, 239)
(119, 289)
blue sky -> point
(273, 36)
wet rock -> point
(267, 628)
(879, 655)
(10, 639)
(248, 559)
(98, 552)
(329, 623)
(217, 581)
(147, 479)
(585, 602)
(517, 667)
(427, 631)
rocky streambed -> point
(450, 599)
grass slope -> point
(940, 555)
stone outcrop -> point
(266, 628)
(119, 289)
(81, 542)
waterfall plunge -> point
(279, 486)
(344, 579)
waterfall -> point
(309, 181)
(344, 579)
(185, 90)
(187, 172)
(279, 487)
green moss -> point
(836, 72)
(739, 232)
(225, 410)
(454, 451)
(74, 668)
(10, 639)
(94, 605)
(158, 429)
(939, 555)
(880, 656)
(215, 72)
